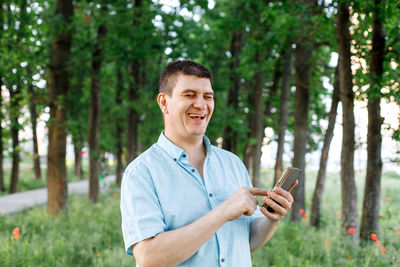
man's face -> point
(189, 108)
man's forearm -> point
(261, 230)
(173, 247)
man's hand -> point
(242, 202)
(280, 201)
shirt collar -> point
(175, 151)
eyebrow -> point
(194, 91)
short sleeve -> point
(141, 212)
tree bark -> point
(2, 188)
(15, 99)
(369, 220)
(58, 87)
(133, 116)
(303, 67)
(133, 93)
(230, 135)
(94, 117)
(257, 122)
(283, 112)
(349, 192)
(118, 126)
(319, 186)
(78, 160)
(32, 110)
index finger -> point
(257, 191)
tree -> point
(58, 90)
(32, 110)
(283, 112)
(134, 87)
(369, 220)
(319, 186)
(2, 188)
(303, 66)
(94, 118)
(230, 135)
(16, 99)
(349, 192)
(118, 125)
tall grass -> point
(90, 235)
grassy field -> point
(27, 179)
(90, 234)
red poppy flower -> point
(352, 230)
(383, 250)
(301, 211)
(338, 214)
(327, 244)
(115, 195)
(373, 236)
(16, 236)
(16, 231)
(377, 243)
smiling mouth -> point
(197, 116)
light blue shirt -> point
(161, 191)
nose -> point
(200, 102)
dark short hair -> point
(188, 67)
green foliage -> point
(90, 234)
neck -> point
(191, 144)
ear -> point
(162, 102)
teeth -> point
(197, 116)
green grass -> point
(90, 235)
(27, 180)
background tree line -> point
(93, 67)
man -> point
(185, 202)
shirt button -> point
(192, 170)
(184, 155)
(222, 260)
(210, 195)
(174, 159)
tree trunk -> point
(2, 188)
(94, 119)
(133, 116)
(133, 94)
(32, 110)
(349, 192)
(369, 220)
(303, 66)
(283, 112)
(257, 122)
(230, 135)
(78, 160)
(58, 87)
(118, 126)
(319, 186)
(15, 98)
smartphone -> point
(286, 181)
